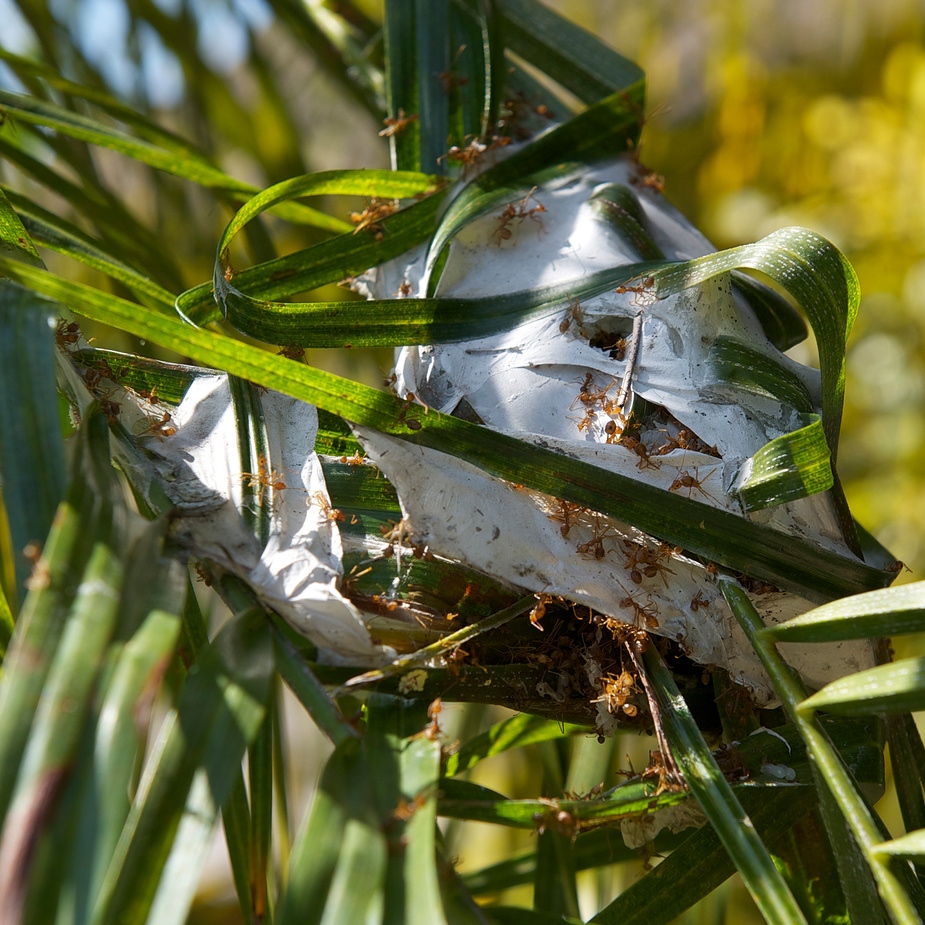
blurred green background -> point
(764, 115)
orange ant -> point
(265, 477)
(432, 729)
(292, 351)
(667, 551)
(517, 110)
(466, 156)
(699, 601)
(754, 585)
(595, 546)
(413, 424)
(573, 313)
(566, 515)
(617, 349)
(539, 611)
(470, 154)
(644, 562)
(93, 377)
(161, 428)
(395, 534)
(448, 80)
(149, 395)
(456, 660)
(683, 440)
(643, 614)
(619, 425)
(668, 778)
(396, 124)
(587, 420)
(384, 602)
(404, 290)
(335, 515)
(686, 440)
(67, 334)
(640, 449)
(108, 371)
(589, 396)
(355, 460)
(518, 211)
(642, 289)
(369, 218)
(655, 181)
(555, 820)
(111, 409)
(686, 480)
(405, 810)
(616, 690)
(647, 283)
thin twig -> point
(436, 649)
(673, 772)
(632, 355)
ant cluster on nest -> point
(148, 416)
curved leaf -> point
(787, 561)
(50, 231)
(190, 167)
(819, 278)
(911, 845)
(373, 183)
(701, 863)
(831, 772)
(888, 612)
(570, 55)
(755, 371)
(515, 732)
(782, 324)
(256, 314)
(793, 466)
(716, 798)
(898, 687)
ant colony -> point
(617, 372)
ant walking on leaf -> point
(292, 351)
(370, 217)
(449, 79)
(692, 483)
(518, 212)
(396, 124)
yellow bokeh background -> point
(812, 113)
